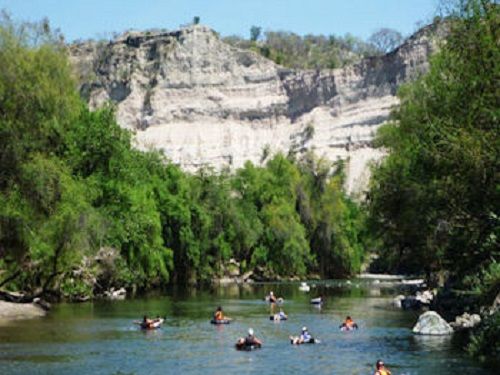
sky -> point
(84, 19)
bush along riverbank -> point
(83, 214)
(434, 201)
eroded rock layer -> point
(206, 103)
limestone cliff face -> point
(206, 103)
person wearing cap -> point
(381, 369)
(251, 339)
(271, 297)
(304, 337)
(248, 341)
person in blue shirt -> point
(305, 337)
(279, 316)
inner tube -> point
(220, 321)
(345, 328)
(246, 347)
(154, 325)
(277, 318)
(311, 341)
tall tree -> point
(385, 39)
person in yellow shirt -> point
(381, 369)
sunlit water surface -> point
(100, 337)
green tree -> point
(385, 40)
(255, 33)
(433, 198)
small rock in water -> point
(116, 294)
(398, 300)
(42, 303)
(425, 297)
(466, 321)
(431, 323)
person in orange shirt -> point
(219, 315)
(348, 324)
(381, 369)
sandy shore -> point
(10, 311)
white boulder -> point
(431, 323)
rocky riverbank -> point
(13, 311)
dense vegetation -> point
(82, 211)
(435, 200)
(313, 51)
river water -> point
(100, 337)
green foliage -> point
(434, 200)
(485, 284)
(255, 33)
(484, 342)
(73, 189)
(306, 52)
(385, 40)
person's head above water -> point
(271, 293)
(219, 308)
(250, 331)
(348, 318)
(380, 364)
(304, 329)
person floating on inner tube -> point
(304, 338)
(148, 323)
(280, 316)
(219, 315)
(348, 324)
(249, 341)
(271, 297)
(381, 369)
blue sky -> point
(99, 18)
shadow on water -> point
(100, 337)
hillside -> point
(207, 103)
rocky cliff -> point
(206, 103)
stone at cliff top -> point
(206, 103)
(430, 323)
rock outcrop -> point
(420, 300)
(13, 311)
(430, 323)
(466, 321)
(206, 103)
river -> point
(100, 337)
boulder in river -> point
(466, 321)
(431, 323)
(115, 294)
(419, 300)
(398, 301)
